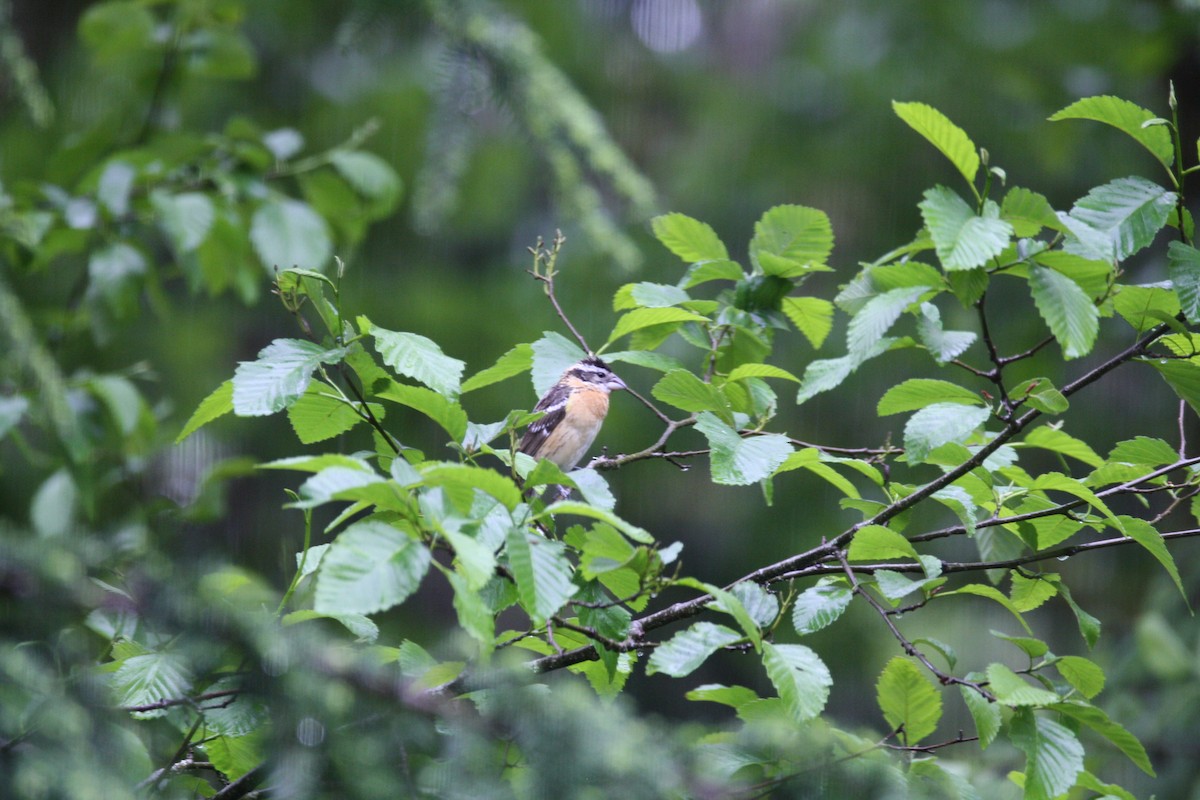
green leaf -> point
(288, 233)
(517, 360)
(279, 376)
(812, 316)
(1053, 756)
(1051, 438)
(685, 651)
(759, 371)
(1098, 721)
(1056, 481)
(875, 543)
(635, 533)
(217, 404)
(1011, 690)
(542, 573)
(917, 393)
(1149, 538)
(811, 460)
(370, 175)
(945, 346)
(962, 239)
(641, 318)
(685, 391)
(1183, 377)
(943, 134)
(1143, 307)
(186, 218)
(317, 415)
(939, 423)
(734, 696)
(790, 241)
(876, 318)
(234, 756)
(1116, 220)
(113, 30)
(737, 461)
(705, 271)
(799, 676)
(445, 412)
(689, 238)
(370, 567)
(1072, 316)
(1089, 626)
(1081, 673)
(1041, 394)
(468, 476)
(1183, 265)
(553, 354)
(1124, 116)
(144, 679)
(992, 593)
(1143, 451)
(819, 606)
(728, 603)
(417, 357)
(1028, 212)
(655, 295)
(985, 713)
(908, 699)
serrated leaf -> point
(469, 476)
(370, 567)
(759, 371)
(234, 756)
(369, 174)
(1058, 441)
(317, 416)
(717, 270)
(542, 572)
(1040, 393)
(1071, 315)
(875, 543)
(144, 679)
(685, 651)
(734, 696)
(418, 357)
(1081, 673)
(962, 239)
(517, 360)
(1116, 220)
(1144, 451)
(640, 318)
(1030, 593)
(1151, 540)
(761, 606)
(217, 404)
(876, 318)
(683, 390)
(799, 676)
(810, 459)
(639, 535)
(1124, 116)
(1053, 756)
(908, 699)
(553, 354)
(992, 593)
(985, 713)
(812, 316)
(738, 461)
(1183, 377)
(917, 393)
(279, 376)
(943, 134)
(1012, 690)
(1028, 212)
(1097, 720)
(690, 239)
(790, 241)
(940, 423)
(1183, 265)
(445, 412)
(1143, 307)
(656, 295)
(819, 607)
(945, 346)
(288, 233)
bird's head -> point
(594, 371)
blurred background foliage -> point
(496, 123)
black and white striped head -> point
(594, 371)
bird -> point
(575, 407)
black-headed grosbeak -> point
(575, 408)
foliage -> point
(218, 684)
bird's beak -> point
(616, 383)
